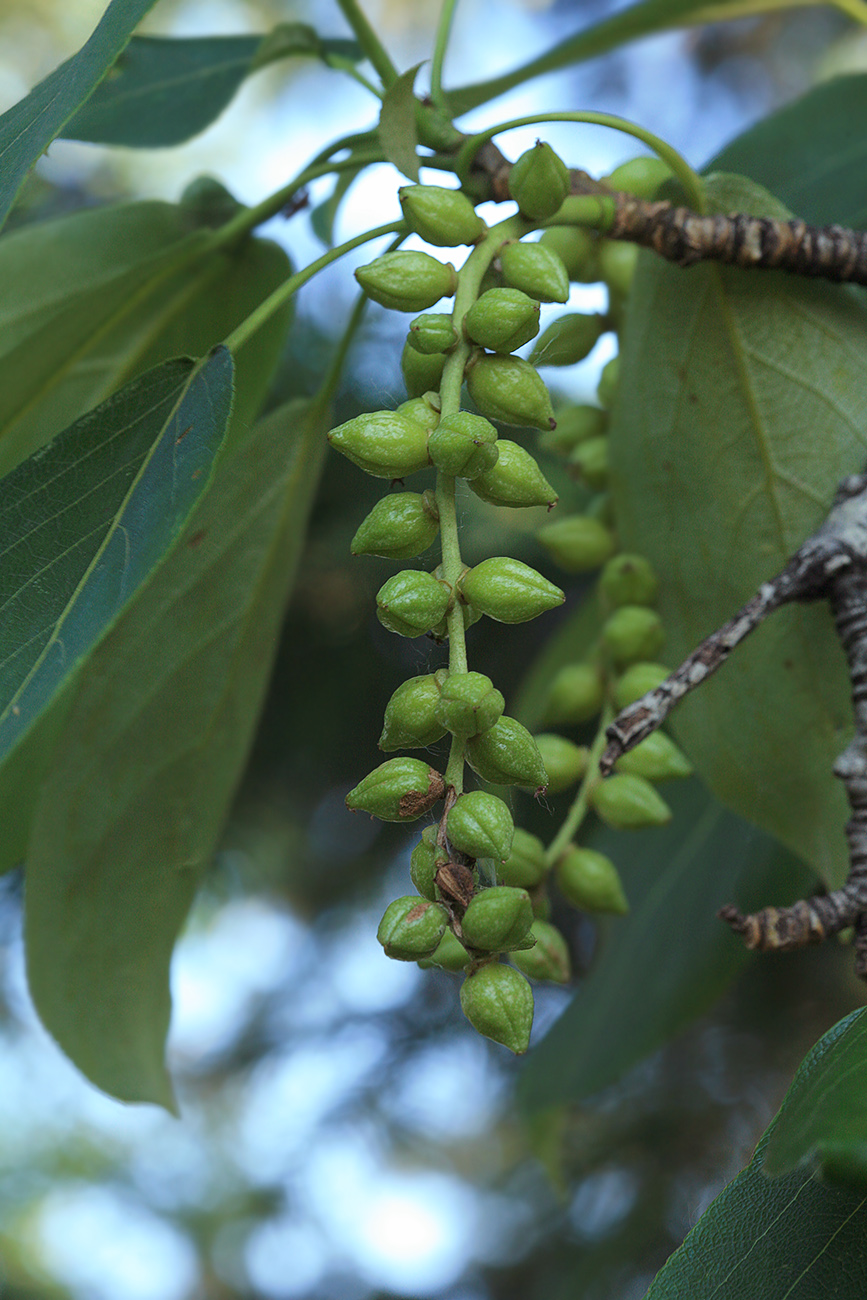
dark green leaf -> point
(28, 128)
(398, 135)
(740, 408)
(86, 521)
(823, 1121)
(812, 154)
(162, 92)
(787, 1238)
(152, 750)
(669, 958)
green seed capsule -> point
(398, 527)
(575, 424)
(589, 880)
(506, 754)
(410, 716)
(510, 390)
(640, 176)
(423, 863)
(412, 927)
(442, 217)
(450, 955)
(565, 762)
(548, 959)
(567, 340)
(481, 826)
(421, 374)
(578, 250)
(578, 543)
(411, 603)
(382, 443)
(526, 865)
(631, 633)
(535, 269)
(469, 704)
(607, 386)
(497, 919)
(399, 790)
(463, 445)
(628, 580)
(423, 411)
(617, 263)
(498, 1002)
(515, 480)
(502, 320)
(407, 281)
(589, 461)
(432, 333)
(508, 590)
(539, 182)
(576, 695)
(629, 803)
(656, 758)
(637, 681)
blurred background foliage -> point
(344, 1133)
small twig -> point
(831, 565)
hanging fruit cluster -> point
(481, 883)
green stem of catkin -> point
(367, 38)
(444, 27)
(578, 811)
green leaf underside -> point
(397, 125)
(669, 959)
(789, 1237)
(151, 753)
(86, 520)
(161, 92)
(92, 300)
(740, 408)
(27, 129)
(812, 154)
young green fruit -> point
(640, 176)
(578, 543)
(637, 681)
(656, 758)
(628, 580)
(576, 695)
(526, 866)
(432, 333)
(589, 461)
(515, 480)
(442, 217)
(567, 340)
(410, 716)
(399, 790)
(617, 263)
(398, 527)
(412, 927)
(629, 803)
(506, 754)
(411, 603)
(498, 1002)
(508, 590)
(631, 633)
(382, 443)
(450, 955)
(469, 704)
(424, 861)
(510, 390)
(565, 762)
(421, 373)
(575, 424)
(502, 320)
(497, 919)
(463, 445)
(589, 880)
(539, 182)
(607, 386)
(577, 249)
(536, 270)
(407, 281)
(480, 825)
(548, 959)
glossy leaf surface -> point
(86, 521)
(740, 408)
(161, 92)
(151, 753)
(27, 129)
